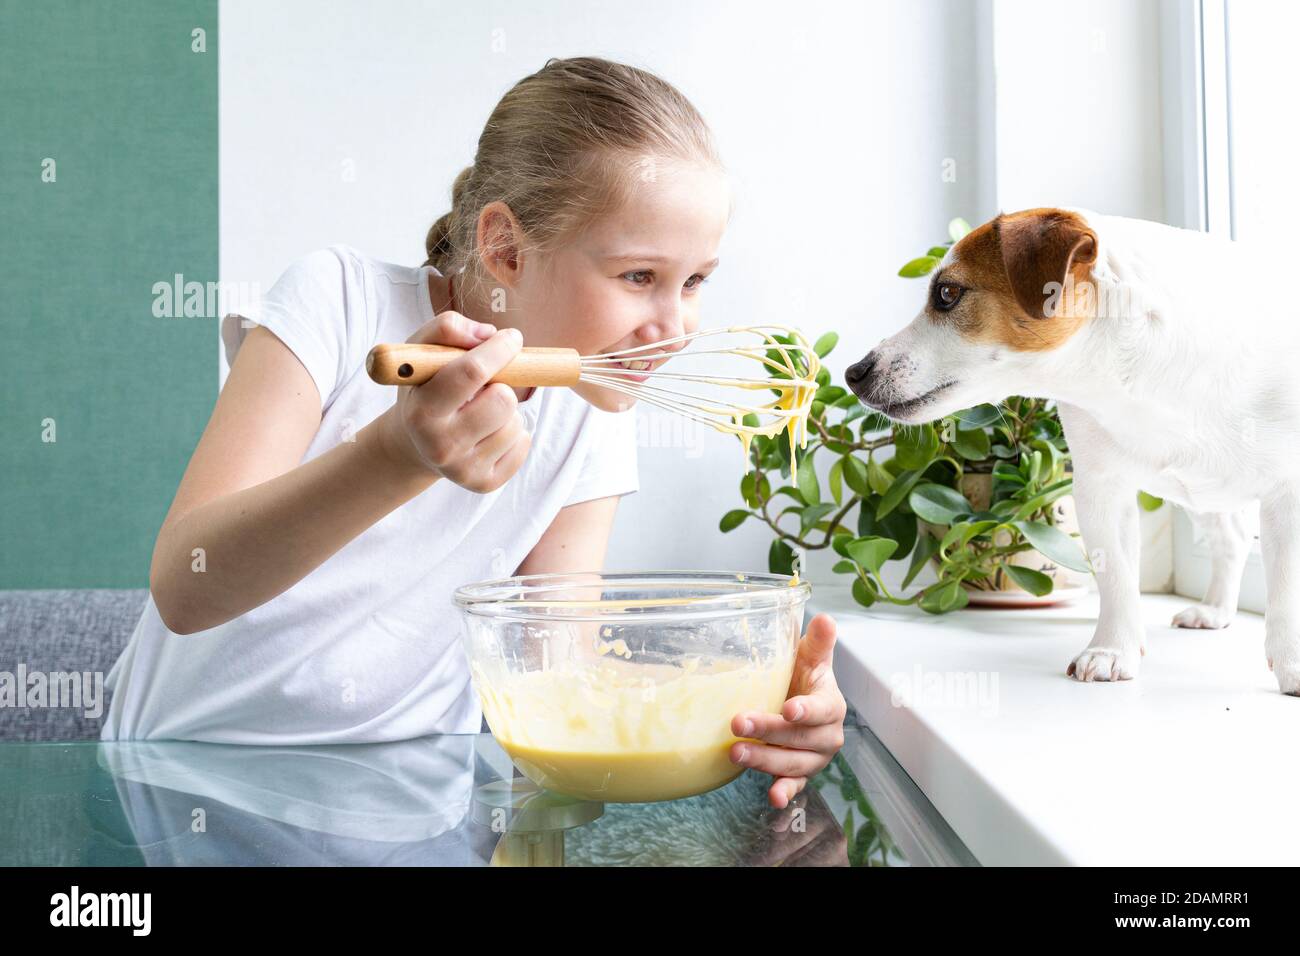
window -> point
(1231, 177)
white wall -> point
(1078, 106)
(835, 120)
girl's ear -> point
(500, 243)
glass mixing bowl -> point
(621, 687)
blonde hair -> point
(562, 147)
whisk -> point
(790, 362)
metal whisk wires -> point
(789, 361)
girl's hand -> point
(809, 731)
(457, 424)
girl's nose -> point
(668, 326)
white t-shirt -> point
(367, 647)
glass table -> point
(453, 800)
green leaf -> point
(898, 525)
(1035, 582)
(915, 448)
(1054, 544)
(979, 416)
(874, 424)
(953, 534)
(732, 519)
(1036, 466)
(872, 552)
(958, 229)
(845, 567)
(1149, 502)
(806, 479)
(812, 514)
(943, 597)
(1051, 452)
(855, 475)
(1006, 508)
(863, 593)
(977, 528)
(938, 504)
(748, 484)
(937, 251)
(919, 267)
(824, 344)
(840, 544)
(857, 411)
(878, 479)
(780, 558)
(1045, 497)
(791, 493)
(829, 393)
(897, 492)
(836, 481)
(972, 443)
(926, 546)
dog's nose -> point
(858, 375)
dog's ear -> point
(1042, 246)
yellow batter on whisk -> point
(795, 400)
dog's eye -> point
(947, 295)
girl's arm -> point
(576, 540)
(249, 521)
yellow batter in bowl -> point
(635, 710)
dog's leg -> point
(1279, 540)
(1229, 535)
(1108, 517)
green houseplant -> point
(895, 492)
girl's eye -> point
(638, 278)
(695, 281)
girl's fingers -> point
(783, 791)
(462, 379)
(778, 761)
(824, 707)
(453, 329)
(771, 729)
(818, 643)
(514, 457)
(497, 443)
(491, 410)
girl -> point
(321, 527)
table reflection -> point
(446, 801)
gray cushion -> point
(62, 631)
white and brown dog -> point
(1175, 362)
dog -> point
(1174, 360)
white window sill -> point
(1185, 765)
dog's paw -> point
(1203, 615)
(1288, 677)
(1284, 662)
(1105, 664)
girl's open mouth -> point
(633, 365)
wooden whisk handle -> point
(414, 364)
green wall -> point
(117, 97)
